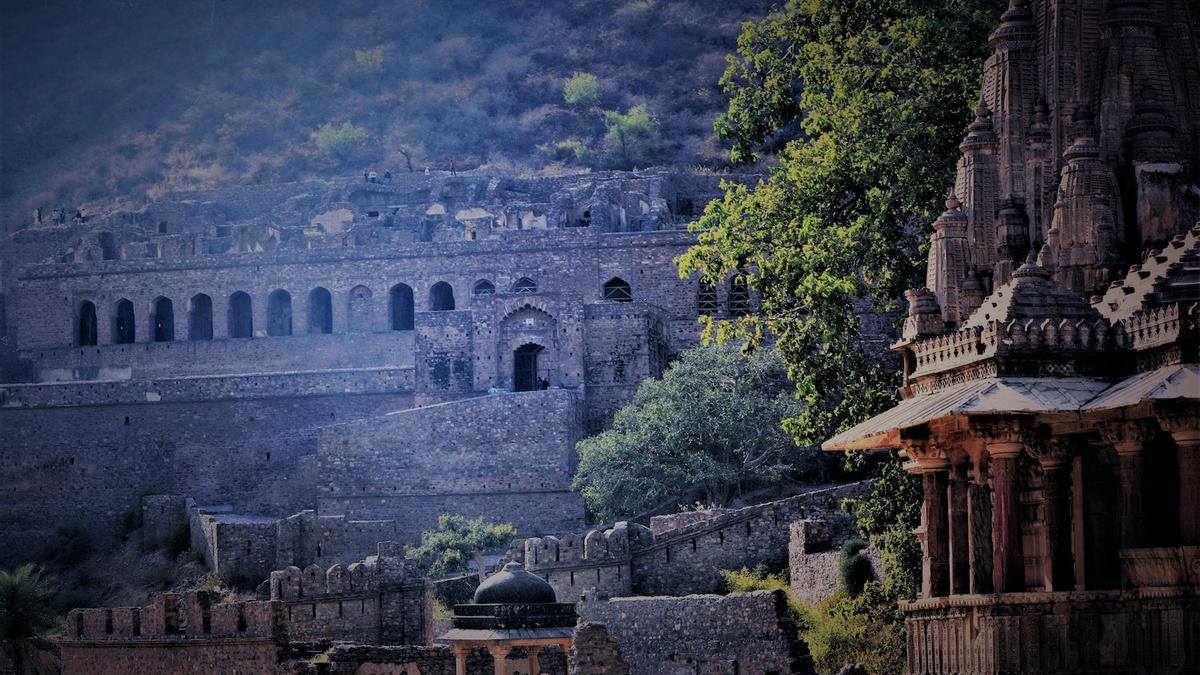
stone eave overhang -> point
(1068, 399)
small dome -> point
(514, 586)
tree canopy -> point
(458, 542)
(881, 92)
(710, 429)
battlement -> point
(194, 614)
(388, 568)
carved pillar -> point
(1002, 439)
(258, 314)
(932, 466)
(1058, 565)
(960, 531)
(1183, 423)
(1129, 438)
(979, 521)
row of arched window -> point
(240, 317)
(737, 302)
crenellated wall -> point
(688, 553)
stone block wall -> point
(599, 560)
(87, 465)
(507, 457)
(163, 517)
(814, 552)
(689, 559)
(746, 633)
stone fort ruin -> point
(384, 352)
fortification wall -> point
(507, 457)
(814, 552)
(747, 633)
(689, 559)
(85, 466)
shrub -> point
(854, 567)
(758, 579)
(867, 629)
(339, 143)
(582, 90)
(369, 61)
(568, 150)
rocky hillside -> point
(142, 97)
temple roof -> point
(1031, 294)
(1017, 396)
(1167, 383)
(1166, 275)
(513, 585)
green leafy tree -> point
(340, 143)
(27, 603)
(631, 137)
(582, 90)
(457, 542)
(710, 428)
(880, 92)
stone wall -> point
(508, 457)
(746, 633)
(87, 465)
(164, 517)
(814, 553)
(689, 559)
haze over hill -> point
(137, 98)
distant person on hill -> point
(453, 168)
(426, 169)
(366, 176)
(545, 383)
(387, 177)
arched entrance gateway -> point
(528, 350)
(525, 367)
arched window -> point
(707, 303)
(164, 320)
(360, 310)
(87, 324)
(279, 313)
(617, 290)
(441, 297)
(525, 285)
(739, 297)
(400, 307)
(123, 330)
(320, 311)
(241, 320)
(483, 288)
(200, 323)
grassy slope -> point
(134, 97)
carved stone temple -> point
(1051, 397)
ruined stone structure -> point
(247, 347)
(631, 559)
(381, 600)
(747, 633)
(1052, 392)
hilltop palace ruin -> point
(341, 347)
(1052, 393)
(304, 376)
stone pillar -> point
(931, 464)
(220, 316)
(1008, 568)
(340, 300)
(979, 522)
(460, 659)
(143, 321)
(959, 531)
(534, 666)
(1182, 421)
(1129, 438)
(1058, 565)
(106, 313)
(258, 314)
(499, 654)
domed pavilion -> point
(512, 609)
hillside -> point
(138, 97)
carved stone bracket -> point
(1127, 436)
(1003, 436)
